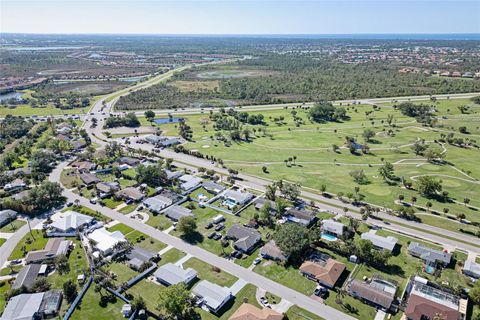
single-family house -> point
(245, 238)
(176, 212)
(70, 222)
(248, 311)
(377, 292)
(171, 175)
(88, 178)
(55, 247)
(431, 257)
(271, 251)
(213, 187)
(260, 203)
(137, 256)
(15, 185)
(333, 227)
(379, 242)
(157, 203)
(132, 162)
(106, 189)
(300, 216)
(130, 194)
(324, 270)
(213, 296)
(170, 274)
(426, 300)
(84, 165)
(236, 198)
(25, 306)
(471, 269)
(6, 216)
(188, 182)
(27, 276)
(105, 241)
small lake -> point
(167, 120)
(10, 95)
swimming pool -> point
(429, 269)
(229, 203)
(328, 237)
(167, 120)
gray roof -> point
(213, 187)
(6, 215)
(23, 306)
(302, 216)
(381, 293)
(54, 247)
(88, 178)
(472, 268)
(173, 174)
(70, 220)
(189, 181)
(212, 294)
(157, 203)
(260, 202)
(429, 254)
(386, 243)
(141, 254)
(171, 274)
(107, 186)
(237, 196)
(333, 226)
(271, 251)
(245, 238)
(27, 276)
(130, 193)
(176, 212)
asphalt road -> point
(284, 292)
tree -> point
(150, 115)
(61, 264)
(289, 190)
(386, 171)
(174, 302)
(428, 186)
(187, 225)
(368, 134)
(419, 146)
(294, 240)
(433, 155)
(154, 176)
(69, 290)
(466, 201)
(359, 176)
(46, 196)
(474, 293)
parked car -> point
(219, 227)
(93, 200)
(209, 225)
(217, 236)
(321, 291)
(211, 235)
(69, 204)
(257, 261)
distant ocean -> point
(399, 36)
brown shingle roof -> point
(418, 308)
(371, 293)
(326, 272)
(250, 312)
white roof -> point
(22, 307)
(387, 243)
(157, 202)
(106, 240)
(238, 196)
(189, 181)
(71, 219)
(472, 267)
(333, 226)
(173, 274)
(213, 295)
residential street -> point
(195, 251)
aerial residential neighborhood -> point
(229, 160)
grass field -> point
(137, 238)
(206, 272)
(77, 265)
(90, 308)
(31, 243)
(14, 226)
(317, 164)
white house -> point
(106, 240)
(70, 222)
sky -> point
(240, 17)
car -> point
(209, 226)
(93, 200)
(211, 235)
(219, 227)
(257, 261)
(237, 254)
(217, 236)
(321, 291)
(69, 204)
(17, 261)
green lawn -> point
(298, 313)
(357, 309)
(111, 202)
(122, 271)
(171, 256)
(288, 276)
(128, 209)
(90, 308)
(89, 212)
(31, 243)
(148, 291)
(4, 288)
(14, 226)
(158, 221)
(77, 264)
(137, 238)
(206, 272)
(2, 241)
(27, 110)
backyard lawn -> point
(206, 272)
(77, 263)
(90, 308)
(172, 256)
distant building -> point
(15, 185)
(426, 300)
(379, 242)
(323, 269)
(157, 203)
(137, 256)
(431, 257)
(130, 194)
(84, 165)
(106, 189)
(170, 274)
(212, 295)
(105, 240)
(250, 312)
(245, 238)
(237, 197)
(132, 162)
(471, 269)
(173, 174)
(27, 276)
(176, 212)
(88, 178)
(189, 182)
(70, 222)
(377, 292)
(213, 187)
(260, 203)
(303, 217)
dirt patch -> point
(188, 86)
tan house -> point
(325, 272)
(250, 312)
